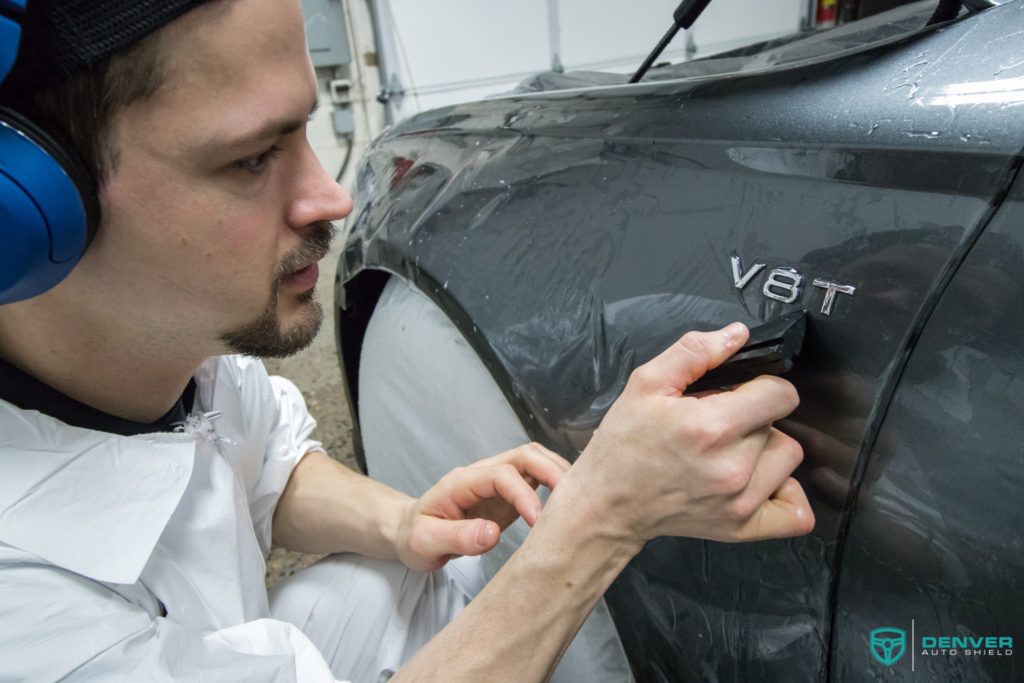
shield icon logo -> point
(888, 644)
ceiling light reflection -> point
(1003, 91)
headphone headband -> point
(11, 13)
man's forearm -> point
(517, 628)
(328, 508)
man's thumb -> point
(690, 357)
(440, 537)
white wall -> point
(445, 51)
(728, 24)
(448, 51)
(442, 52)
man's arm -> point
(328, 508)
(660, 464)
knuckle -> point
(783, 392)
(789, 447)
(695, 343)
(743, 508)
(792, 397)
(795, 451)
(507, 471)
(421, 541)
(450, 479)
(731, 478)
(538, 451)
(548, 452)
(642, 376)
(708, 433)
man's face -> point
(217, 209)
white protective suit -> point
(142, 557)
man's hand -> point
(661, 463)
(666, 464)
(465, 512)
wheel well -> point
(354, 303)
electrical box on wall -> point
(326, 32)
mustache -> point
(313, 248)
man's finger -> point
(474, 484)
(785, 514)
(561, 462)
(780, 456)
(436, 538)
(754, 404)
(533, 460)
(688, 359)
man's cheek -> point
(253, 243)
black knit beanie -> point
(59, 38)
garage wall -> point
(448, 51)
(357, 99)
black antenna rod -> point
(683, 17)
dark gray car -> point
(867, 175)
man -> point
(132, 537)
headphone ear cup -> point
(48, 208)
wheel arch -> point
(356, 296)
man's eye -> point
(257, 163)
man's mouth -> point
(303, 278)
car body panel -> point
(572, 235)
(936, 546)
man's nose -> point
(319, 197)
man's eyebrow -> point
(271, 129)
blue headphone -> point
(47, 201)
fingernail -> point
(732, 334)
(483, 534)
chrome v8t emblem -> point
(786, 284)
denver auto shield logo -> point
(888, 644)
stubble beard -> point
(265, 337)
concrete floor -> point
(317, 374)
